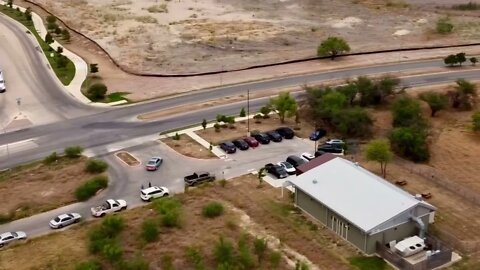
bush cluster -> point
(96, 166)
(73, 151)
(170, 210)
(150, 230)
(103, 238)
(212, 210)
(90, 188)
(53, 157)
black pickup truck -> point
(198, 178)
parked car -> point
(319, 153)
(287, 167)
(286, 132)
(9, 237)
(228, 147)
(274, 136)
(277, 170)
(109, 206)
(295, 161)
(64, 220)
(307, 156)
(241, 144)
(198, 178)
(337, 142)
(2, 83)
(154, 163)
(252, 142)
(153, 192)
(318, 134)
(262, 138)
(330, 148)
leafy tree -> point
(410, 143)
(450, 60)
(367, 90)
(243, 113)
(332, 47)
(379, 150)
(476, 121)
(73, 151)
(436, 101)
(204, 124)
(48, 38)
(461, 58)
(265, 110)
(463, 95)
(97, 91)
(330, 104)
(386, 86)
(261, 175)
(352, 122)
(473, 60)
(406, 112)
(349, 90)
(62, 61)
(93, 68)
(444, 26)
(10, 3)
(285, 105)
(66, 35)
(28, 14)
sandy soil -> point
(128, 158)
(256, 211)
(155, 36)
(53, 185)
(189, 147)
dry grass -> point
(52, 185)
(128, 158)
(189, 147)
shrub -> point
(217, 127)
(150, 230)
(88, 265)
(476, 121)
(353, 122)
(196, 258)
(176, 137)
(245, 257)
(410, 143)
(97, 91)
(260, 247)
(90, 188)
(134, 264)
(53, 157)
(96, 166)
(170, 211)
(113, 225)
(73, 151)
(407, 112)
(167, 262)
(444, 26)
(243, 113)
(112, 251)
(212, 210)
(223, 251)
(275, 259)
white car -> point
(108, 206)
(64, 220)
(335, 142)
(153, 192)
(287, 166)
(8, 237)
(307, 156)
(2, 83)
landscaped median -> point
(61, 65)
(49, 184)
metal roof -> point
(359, 196)
(315, 163)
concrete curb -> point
(81, 67)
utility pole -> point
(248, 112)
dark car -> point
(277, 170)
(262, 138)
(241, 144)
(318, 134)
(286, 132)
(228, 147)
(319, 153)
(295, 161)
(274, 136)
(251, 141)
(330, 148)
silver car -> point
(64, 220)
(8, 237)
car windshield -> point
(152, 162)
(287, 165)
(14, 234)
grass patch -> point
(369, 263)
(116, 96)
(65, 74)
(212, 210)
(90, 188)
(467, 6)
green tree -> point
(66, 35)
(28, 14)
(332, 47)
(444, 26)
(350, 91)
(386, 87)
(367, 90)
(436, 101)
(406, 112)
(476, 121)
(243, 113)
(379, 151)
(285, 105)
(261, 175)
(62, 61)
(461, 58)
(97, 91)
(464, 94)
(204, 124)
(353, 122)
(410, 143)
(10, 3)
(265, 111)
(48, 38)
(473, 60)
(93, 68)
(450, 60)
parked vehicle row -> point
(256, 139)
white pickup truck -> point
(109, 206)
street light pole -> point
(248, 112)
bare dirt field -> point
(52, 185)
(188, 147)
(156, 36)
(258, 212)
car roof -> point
(63, 216)
(5, 234)
(295, 157)
(155, 158)
(150, 189)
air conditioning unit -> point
(410, 246)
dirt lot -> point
(53, 185)
(224, 34)
(256, 211)
(189, 147)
